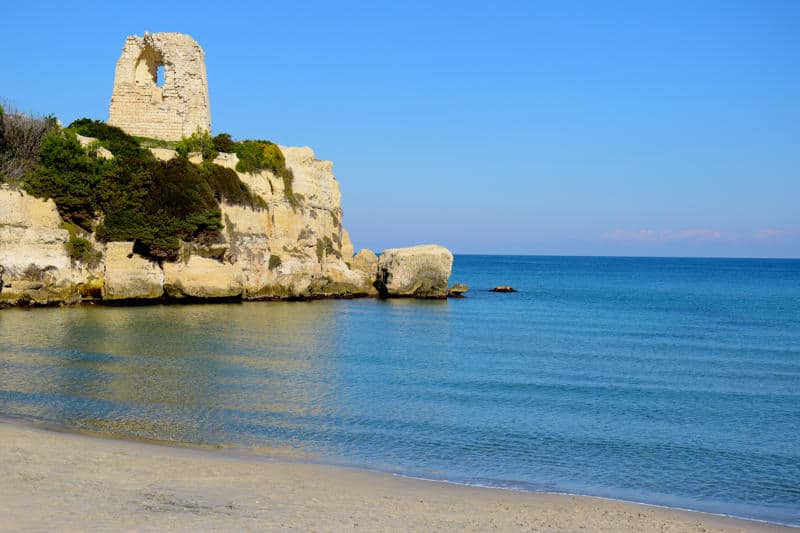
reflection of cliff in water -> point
(189, 373)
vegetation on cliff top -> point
(133, 197)
(199, 141)
(255, 155)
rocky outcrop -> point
(457, 290)
(36, 269)
(418, 271)
(347, 247)
(201, 277)
(91, 142)
(129, 276)
(31, 233)
(163, 154)
(503, 288)
(365, 263)
(293, 248)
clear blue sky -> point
(620, 128)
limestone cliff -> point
(34, 265)
(294, 248)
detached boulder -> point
(503, 288)
(457, 290)
(418, 271)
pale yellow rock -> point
(195, 157)
(313, 178)
(163, 154)
(420, 271)
(30, 234)
(201, 277)
(288, 223)
(226, 160)
(347, 247)
(365, 261)
(129, 276)
(338, 280)
(365, 264)
(263, 183)
(179, 107)
(294, 233)
(247, 233)
(33, 256)
(102, 153)
(85, 141)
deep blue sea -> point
(667, 381)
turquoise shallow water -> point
(668, 381)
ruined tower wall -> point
(180, 106)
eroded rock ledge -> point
(283, 251)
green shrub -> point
(320, 250)
(199, 141)
(325, 247)
(113, 138)
(67, 175)
(153, 203)
(227, 186)
(255, 155)
(288, 179)
(258, 155)
(172, 202)
(149, 142)
(80, 249)
(224, 143)
(274, 262)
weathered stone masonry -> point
(180, 106)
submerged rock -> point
(503, 288)
(418, 271)
(457, 290)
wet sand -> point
(54, 480)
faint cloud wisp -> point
(667, 236)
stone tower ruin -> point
(177, 107)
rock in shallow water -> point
(418, 271)
(457, 290)
(503, 288)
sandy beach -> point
(55, 480)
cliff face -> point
(34, 265)
(295, 247)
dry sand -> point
(52, 480)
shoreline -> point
(84, 480)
